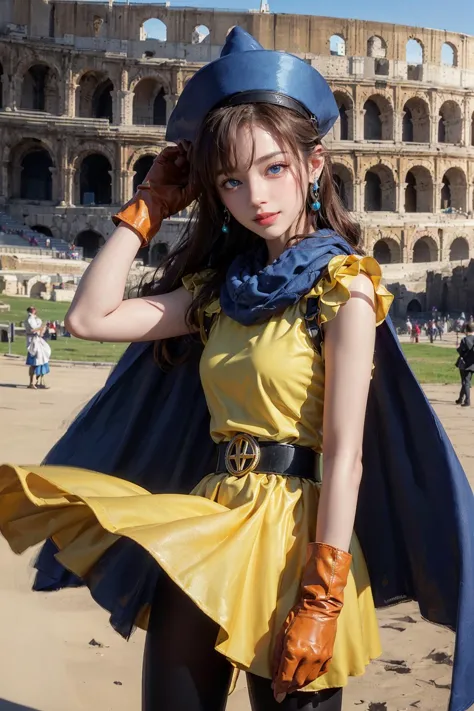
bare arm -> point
(349, 349)
(98, 311)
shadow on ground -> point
(11, 706)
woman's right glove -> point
(164, 192)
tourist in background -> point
(38, 351)
(416, 332)
(465, 363)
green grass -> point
(63, 348)
(432, 364)
(47, 310)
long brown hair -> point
(203, 244)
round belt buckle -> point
(242, 454)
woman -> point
(262, 566)
(39, 352)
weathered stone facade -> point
(85, 97)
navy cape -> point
(415, 517)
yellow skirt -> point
(236, 546)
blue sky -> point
(451, 15)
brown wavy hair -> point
(203, 244)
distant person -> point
(37, 358)
(465, 363)
(408, 326)
(53, 331)
(48, 243)
(416, 332)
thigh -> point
(262, 699)
(181, 669)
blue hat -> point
(246, 73)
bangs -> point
(217, 144)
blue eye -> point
(231, 183)
(276, 169)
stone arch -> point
(418, 190)
(149, 103)
(415, 52)
(90, 241)
(450, 123)
(343, 129)
(94, 96)
(153, 28)
(93, 147)
(159, 77)
(31, 171)
(449, 54)
(146, 150)
(337, 45)
(344, 183)
(459, 249)
(414, 307)
(376, 47)
(36, 289)
(201, 35)
(453, 190)
(416, 121)
(141, 168)
(379, 191)
(40, 89)
(425, 249)
(387, 251)
(95, 180)
(43, 230)
(378, 119)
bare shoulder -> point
(362, 287)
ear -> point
(315, 163)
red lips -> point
(266, 218)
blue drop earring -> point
(314, 195)
(225, 226)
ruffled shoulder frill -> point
(333, 289)
(195, 282)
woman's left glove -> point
(304, 646)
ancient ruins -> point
(87, 88)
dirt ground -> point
(46, 660)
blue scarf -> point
(253, 292)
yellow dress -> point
(237, 544)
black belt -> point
(245, 454)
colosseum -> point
(87, 88)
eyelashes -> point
(278, 169)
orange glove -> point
(165, 192)
(304, 646)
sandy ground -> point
(46, 660)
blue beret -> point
(247, 73)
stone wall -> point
(402, 153)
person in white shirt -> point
(38, 351)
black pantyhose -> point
(183, 672)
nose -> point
(257, 190)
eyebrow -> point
(263, 159)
